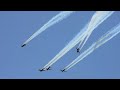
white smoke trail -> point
(108, 36)
(98, 18)
(80, 37)
(62, 15)
(70, 45)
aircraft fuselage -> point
(23, 45)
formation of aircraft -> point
(49, 68)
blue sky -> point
(17, 62)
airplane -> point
(63, 70)
(41, 70)
(23, 45)
(78, 50)
(49, 68)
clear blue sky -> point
(17, 62)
